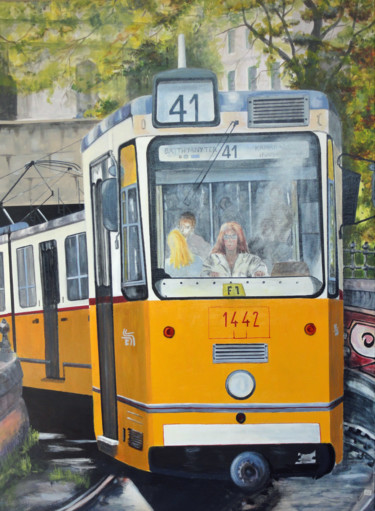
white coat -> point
(245, 266)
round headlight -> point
(240, 384)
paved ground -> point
(348, 488)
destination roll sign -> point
(185, 97)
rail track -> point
(90, 495)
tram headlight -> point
(240, 384)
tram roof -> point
(232, 101)
(21, 229)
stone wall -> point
(14, 419)
(24, 141)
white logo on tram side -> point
(128, 337)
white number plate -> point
(180, 102)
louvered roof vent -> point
(271, 110)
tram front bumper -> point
(214, 462)
(205, 448)
(242, 434)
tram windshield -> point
(237, 209)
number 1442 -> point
(232, 319)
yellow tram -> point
(215, 281)
(44, 299)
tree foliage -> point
(326, 45)
(128, 41)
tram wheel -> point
(250, 471)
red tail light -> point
(168, 332)
(310, 329)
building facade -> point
(244, 67)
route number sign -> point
(185, 103)
(185, 97)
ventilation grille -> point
(269, 110)
(135, 439)
(226, 353)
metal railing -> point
(359, 262)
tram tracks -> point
(111, 491)
(89, 496)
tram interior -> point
(275, 200)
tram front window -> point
(243, 209)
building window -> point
(248, 38)
(26, 276)
(252, 77)
(231, 80)
(275, 76)
(2, 283)
(231, 40)
(76, 267)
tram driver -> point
(230, 257)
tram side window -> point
(133, 267)
(332, 253)
(309, 236)
(2, 283)
(26, 276)
(76, 267)
(332, 246)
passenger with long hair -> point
(182, 262)
(230, 256)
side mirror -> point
(112, 171)
(110, 204)
(350, 190)
(350, 187)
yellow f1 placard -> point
(233, 290)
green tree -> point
(127, 41)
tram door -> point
(51, 298)
(104, 303)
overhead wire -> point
(64, 167)
(44, 160)
(212, 159)
(38, 185)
